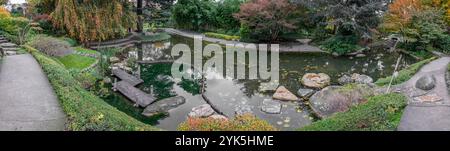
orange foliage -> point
(4, 13)
(400, 14)
(239, 123)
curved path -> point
(427, 116)
(27, 100)
(284, 47)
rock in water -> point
(284, 94)
(345, 79)
(361, 79)
(314, 80)
(305, 93)
(163, 106)
(201, 111)
(243, 109)
(335, 99)
(427, 82)
(271, 106)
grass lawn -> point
(379, 113)
(85, 51)
(405, 74)
(75, 61)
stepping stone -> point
(10, 53)
(284, 94)
(10, 49)
(8, 45)
(3, 41)
(305, 93)
(163, 106)
(271, 107)
(430, 98)
(201, 111)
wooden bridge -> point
(128, 89)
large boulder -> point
(271, 106)
(345, 79)
(201, 111)
(335, 99)
(284, 94)
(314, 80)
(163, 106)
(426, 82)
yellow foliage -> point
(4, 13)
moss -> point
(84, 110)
(75, 61)
(222, 36)
(405, 74)
(379, 113)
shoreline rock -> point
(284, 94)
(313, 80)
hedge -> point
(85, 111)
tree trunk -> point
(139, 12)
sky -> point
(17, 1)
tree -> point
(194, 14)
(400, 14)
(266, 17)
(348, 16)
(98, 20)
(3, 2)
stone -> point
(284, 94)
(201, 111)
(361, 79)
(305, 93)
(107, 80)
(163, 106)
(114, 60)
(8, 45)
(10, 53)
(243, 109)
(305, 41)
(345, 79)
(430, 98)
(333, 99)
(335, 54)
(426, 82)
(271, 106)
(314, 80)
(361, 55)
(219, 117)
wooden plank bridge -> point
(128, 89)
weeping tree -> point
(99, 20)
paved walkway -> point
(27, 100)
(284, 47)
(427, 116)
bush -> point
(51, 46)
(222, 36)
(85, 111)
(380, 113)
(341, 44)
(405, 74)
(239, 123)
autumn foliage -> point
(400, 14)
(4, 13)
(89, 20)
(268, 17)
(239, 123)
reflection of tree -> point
(250, 88)
(191, 86)
(157, 78)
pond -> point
(229, 95)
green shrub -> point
(341, 44)
(51, 46)
(85, 111)
(222, 36)
(70, 41)
(379, 113)
(239, 123)
(405, 74)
